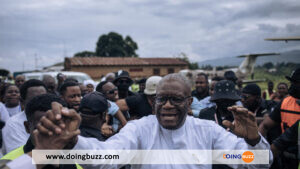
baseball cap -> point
(94, 101)
(253, 89)
(151, 84)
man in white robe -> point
(170, 128)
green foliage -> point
(268, 65)
(206, 67)
(113, 45)
(191, 65)
(4, 72)
(84, 54)
(282, 70)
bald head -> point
(50, 83)
(178, 78)
(47, 78)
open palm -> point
(244, 124)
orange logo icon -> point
(248, 156)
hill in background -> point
(290, 56)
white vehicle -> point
(81, 77)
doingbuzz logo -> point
(247, 156)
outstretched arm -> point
(244, 124)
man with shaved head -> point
(170, 128)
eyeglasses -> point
(173, 100)
(112, 91)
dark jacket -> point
(86, 131)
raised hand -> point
(52, 122)
(60, 125)
(244, 124)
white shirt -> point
(4, 115)
(14, 110)
(14, 133)
(147, 133)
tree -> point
(4, 72)
(268, 65)
(84, 54)
(113, 45)
(206, 67)
(192, 65)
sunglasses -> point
(112, 91)
(160, 100)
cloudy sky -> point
(44, 32)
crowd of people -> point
(165, 113)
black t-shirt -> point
(212, 114)
(138, 105)
(208, 113)
(273, 109)
(266, 107)
(275, 114)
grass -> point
(275, 77)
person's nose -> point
(77, 99)
(168, 105)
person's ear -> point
(27, 128)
